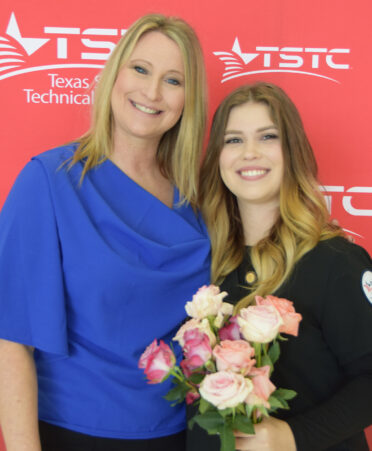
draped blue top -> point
(90, 274)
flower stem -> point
(265, 348)
(254, 416)
(256, 419)
(177, 373)
(258, 352)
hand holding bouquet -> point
(227, 362)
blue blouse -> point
(89, 276)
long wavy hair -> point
(303, 218)
(179, 151)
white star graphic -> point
(246, 57)
(29, 44)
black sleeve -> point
(346, 326)
(342, 416)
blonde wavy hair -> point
(180, 148)
(303, 220)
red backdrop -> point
(51, 52)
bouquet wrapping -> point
(227, 362)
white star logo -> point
(29, 44)
(246, 57)
(235, 61)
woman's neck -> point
(257, 220)
(138, 161)
(135, 153)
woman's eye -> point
(140, 70)
(173, 81)
(233, 140)
(269, 136)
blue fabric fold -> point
(94, 273)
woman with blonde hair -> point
(100, 245)
(270, 234)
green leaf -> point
(210, 366)
(226, 412)
(249, 409)
(284, 393)
(196, 378)
(274, 400)
(285, 404)
(178, 382)
(211, 319)
(275, 403)
(213, 432)
(227, 438)
(209, 420)
(263, 410)
(243, 424)
(266, 361)
(191, 423)
(281, 338)
(274, 352)
(204, 406)
(240, 408)
(177, 393)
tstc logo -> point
(349, 199)
(16, 50)
(298, 60)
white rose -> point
(259, 323)
(218, 321)
(227, 309)
(207, 301)
(225, 389)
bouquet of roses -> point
(227, 362)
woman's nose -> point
(153, 89)
(250, 150)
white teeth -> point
(145, 109)
(253, 172)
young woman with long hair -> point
(271, 234)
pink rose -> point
(208, 301)
(286, 310)
(231, 330)
(225, 389)
(262, 387)
(235, 356)
(259, 323)
(197, 344)
(148, 352)
(189, 365)
(191, 397)
(197, 350)
(193, 323)
(157, 361)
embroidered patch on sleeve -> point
(367, 285)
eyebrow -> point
(261, 129)
(140, 60)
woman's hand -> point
(271, 435)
